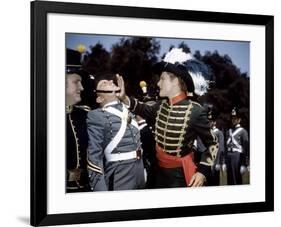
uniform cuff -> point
(205, 170)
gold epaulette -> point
(84, 107)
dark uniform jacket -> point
(177, 126)
(113, 175)
(76, 146)
(221, 152)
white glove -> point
(224, 168)
(217, 167)
(243, 169)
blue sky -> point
(238, 51)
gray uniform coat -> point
(237, 154)
(113, 175)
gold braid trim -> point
(174, 111)
(185, 124)
(76, 142)
(169, 123)
(172, 118)
(165, 130)
(168, 130)
(83, 107)
(168, 137)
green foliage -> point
(97, 60)
(229, 89)
(133, 59)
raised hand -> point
(120, 83)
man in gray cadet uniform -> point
(215, 174)
(114, 151)
(237, 150)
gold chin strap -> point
(108, 91)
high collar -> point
(111, 104)
(214, 127)
(236, 126)
(177, 98)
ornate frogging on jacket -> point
(171, 124)
(167, 119)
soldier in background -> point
(214, 178)
(237, 156)
(76, 128)
(147, 137)
(216, 168)
(148, 146)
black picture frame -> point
(39, 12)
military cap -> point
(235, 112)
(73, 61)
(191, 71)
(103, 76)
(173, 63)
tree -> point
(229, 89)
(98, 60)
(133, 58)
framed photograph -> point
(86, 40)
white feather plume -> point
(201, 85)
(177, 55)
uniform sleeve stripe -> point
(205, 164)
(93, 165)
(94, 169)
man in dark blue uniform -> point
(237, 156)
(114, 152)
(76, 128)
(178, 121)
(148, 146)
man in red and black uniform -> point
(178, 121)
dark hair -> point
(104, 76)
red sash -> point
(169, 161)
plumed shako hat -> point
(191, 71)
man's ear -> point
(99, 99)
(179, 82)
